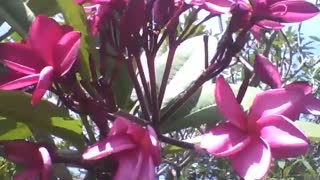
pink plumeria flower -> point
(271, 13)
(250, 141)
(302, 100)
(136, 149)
(36, 159)
(47, 54)
(267, 72)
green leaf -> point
(170, 149)
(315, 38)
(121, 85)
(75, 16)
(47, 7)
(17, 15)
(44, 117)
(11, 129)
(309, 168)
(311, 130)
(281, 164)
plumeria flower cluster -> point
(257, 14)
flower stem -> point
(244, 85)
(175, 142)
(172, 50)
(88, 128)
(153, 86)
(143, 80)
(138, 90)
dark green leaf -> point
(44, 117)
(17, 14)
(47, 7)
(121, 85)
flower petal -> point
(228, 105)
(155, 148)
(312, 105)
(147, 169)
(46, 163)
(267, 72)
(302, 87)
(270, 24)
(217, 7)
(253, 161)
(44, 27)
(130, 162)
(283, 137)
(295, 10)
(20, 82)
(119, 126)
(45, 81)
(66, 51)
(256, 32)
(276, 101)
(12, 150)
(224, 140)
(107, 146)
(19, 68)
(20, 53)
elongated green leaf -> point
(312, 130)
(44, 117)
(17, 14)
(315, 38)
(47, 7)
(75, 16)
(122, 87)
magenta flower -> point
(271, 13)
(250, 141)
(302, 99)
(267, 72)
(286, 11)
(47, 54)
(136, 149)
(36, 159)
